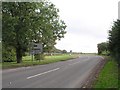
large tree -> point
(114, 40)
(25, 22)
(102, 47)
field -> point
(27, 60)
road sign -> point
(35, 51)
(36, 48)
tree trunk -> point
(18, 46)
(18, 55)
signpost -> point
(36, 48)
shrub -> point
(39, 56)
(8, 54)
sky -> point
(88, 22)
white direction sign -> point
(36, 48)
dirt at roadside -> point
(89, 82)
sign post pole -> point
(37, 48)
(32, 57)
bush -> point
(8, 54)
(25, 54)
(39, 56)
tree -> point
(114, 40)
(102, 47)
(25, 22)
(51, 27)
(16, 26)
(64, 51)
(54, 50)
(70, 51)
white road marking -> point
(74, 63)
(42, 73)
(80, 61)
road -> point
(65, 74)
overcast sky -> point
(88, 22)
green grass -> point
(108, 77)
(27, 61)
(0, 65)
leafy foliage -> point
(8, 54)
(114, 40)
(64, 51)
(39, 57)
(25, 22)
(102, 47)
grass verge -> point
(48, 59)
(108, 77)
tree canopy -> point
(102, 48)
(25, 22)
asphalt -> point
(65, 74)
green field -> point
(27, 61)
(108, 77)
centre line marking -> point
(42, 73)
(74, 63)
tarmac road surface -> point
(64, 74)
